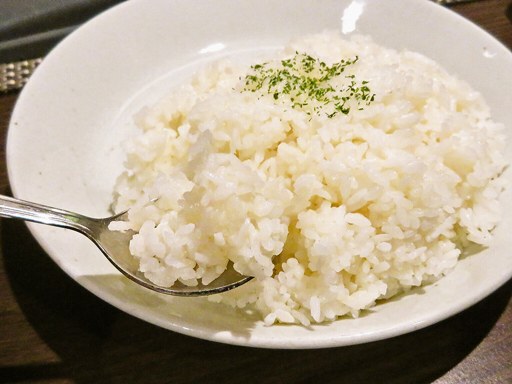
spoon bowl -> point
(113, 244)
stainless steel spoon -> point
(113, 244)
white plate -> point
(65, 133)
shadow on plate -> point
(97, 343)
(198, 311)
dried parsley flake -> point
(306, 83)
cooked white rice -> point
(329, 214)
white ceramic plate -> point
(66, 129)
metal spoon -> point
(113, 244)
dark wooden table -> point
(54, 331)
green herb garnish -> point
(306, 83)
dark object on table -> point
(30, 28)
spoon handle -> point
(25, 210)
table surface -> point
(54, 331)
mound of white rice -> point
(329, 214)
